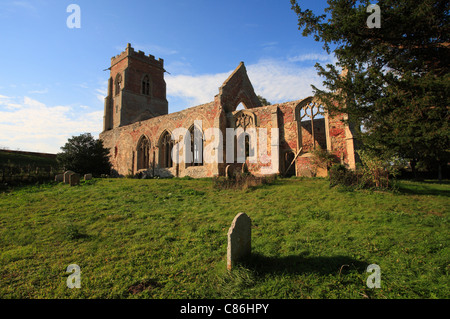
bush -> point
(372, 173)
(242, 181)
(84, 154)
(340, 175)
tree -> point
(394, 80)
(84, 154)
(263, 101)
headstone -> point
(66, 176)
(74, 179)
(228, 171)
(87, 177)
(59, 178)
(239, 239)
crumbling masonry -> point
(138, 129)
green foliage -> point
(263, 101)
(84, 154)
(372, 173)
(242, 181)
(396, 82)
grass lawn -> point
(168, 239)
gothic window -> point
(118, 83)
(309, 118)
(165, 148)
(145, 85)
(196, 147)
(247, 146)
(143, 151)
(243, 120)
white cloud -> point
(44, 91)
(195, 89)
(33, 126)
(275, 79)
(317, 57)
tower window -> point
(145, 85)
(118, 83)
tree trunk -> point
(413, 163)
(440, 172)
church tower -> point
(136, 89)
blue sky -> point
(52, 82)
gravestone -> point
(74, 179)
(239, 239)
(59, 178)
(66, 176)
(87, 177)
(228, 171)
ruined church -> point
(138, 130)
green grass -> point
(26, 159)
(168, 239)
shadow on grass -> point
(299, 264)
(431, 188)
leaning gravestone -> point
(239, 239)
(74, 179)
(59, 178)
(87, 177)
(66, 176)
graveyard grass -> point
(168, 239)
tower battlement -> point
(130, 52)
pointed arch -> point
(143, 153)
(165, 145)
(236, 89)
(196, 149)
(309, 115)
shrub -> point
(242, 181)
(372, 173)
(84, 154)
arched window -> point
(143, 151)
(196, 146)
(145, 85)
(244, 120)
(309, 115)
(165, 149)
(118, 83)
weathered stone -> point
(59, 178)
(87, 177)
(228, 171)
(290, 126)
(66, 176)
(74, 179)
(239, 239)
